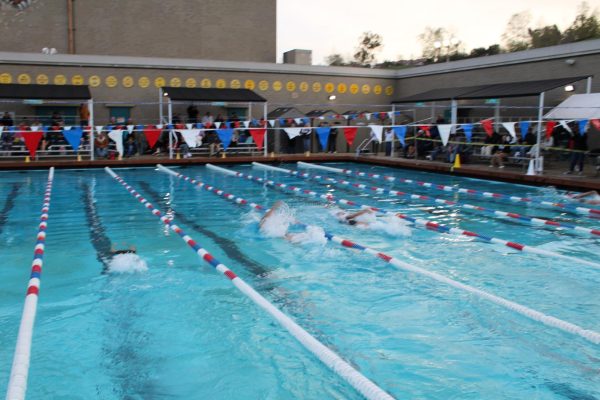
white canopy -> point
(578, 106)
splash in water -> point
(127, 263)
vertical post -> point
(454, 115)
(588, 88)
(432, 112)
(171, 131)
(538, 166)
(70, 27)
(415, 130)
(393, 123)
(160, 105)
(265, 141)
(91, 124)
(249, 114)
(497, 113)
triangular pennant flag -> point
(582, 125)
(595, 123)
(549, 128)
(346, 116)
(32, 141)
(152, 135)
(510, 127)
(350, 134)
(1, 130)
(390, 114)
(323, 134)
(368, 117)
(189, 136)
(524, 128)
(67, 127)
(35, 128)
(488, 126)
(298, 120)
(444, 130)
(159, 126)
(400, 132)
(377, 132)
(281, 121)
(306, 120)
(382, 115)
(139, 128)
(258, 135)
(566, 126)
(426, 129)
(217, 125)
(225, 135)
(246, 124)
(292, 132)
(117, 136)
(272, 122)
(130, 128)
(189, 126)
(228, 124)
(99, 128)
(468, 129)
(73, 137)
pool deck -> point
(553, 173)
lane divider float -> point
(361, 383)
(589, 212)
(19, 373)
(535, 315)
(432, 200)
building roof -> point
(577, 106)
(319, 113)
(44, 92)
(213, 95)
(285, 112)
(499, 90)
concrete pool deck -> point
(553, 174)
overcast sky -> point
(334, 26)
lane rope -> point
(358, 381)
(433, 226)
(537, 316)
(19, 373)
(432, 200)
(589, 212)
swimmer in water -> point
(130, 250)
(351, 218)
(591, 197)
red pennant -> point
(32, 140)
(382, 115)
(152, 135)
(596, 124)
(350, 134)
(488, 126)
(258, 135)
(549, 128)
(425, 128)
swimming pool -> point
(181, 330)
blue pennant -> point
(73, 137)
(468, 129)
(225, 136)
(524, 127)
(323, 134)
(582, 124)
(400, 132)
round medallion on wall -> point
(389, 90)
(365, 89)
(263, 85)
(111, 81)
(354, 88)
(329, 87)
(377, 89)
(60, 79)
(5, 78)
(249, 84)
(277, 85)
(221, 84)
(41, 79)
(290, 86)
(24, 79)
(235, 84)
(94, 81)
(77, 80)
(144, 82)
(127, 81)
(205, 83)
(159, 82)
(316, 87)
(303, 86)
(342, 88)
(190, 83)
(175, 82)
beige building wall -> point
(237, 30)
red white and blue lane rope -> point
(590, 212)
(361, 383)
(433, 226)
(17, 384)
(433, 200)
(538, 316)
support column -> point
(92, 131)
(538, 167)
(265, 139)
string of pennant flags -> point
(225, 130)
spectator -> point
(176, 119)
(578, 145)
(389, 139)
(101, 145)
(502, 152)
(305, 134)
(84, 114)
(6, 120)
(130, 147)
(57, 119)
(208, 119)
(192, 112)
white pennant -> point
(67, 128)
(368, 117)
(390, 114)
(35, 128)
(272, 122)
(510, 127)
(444, 130)
(189, 135)
(217, 124)
(117, 137)
(292, 132)
(377, 132)
(565, 125)
(346, 116)
(189, 126)
(159, 126)
(298, 121)
(246, 124)
(99, 128)
(130, 128)
(1, 130)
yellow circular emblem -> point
(5, 78)
(205, 83)
(304, 86)
(111, 81)
(277, 85)
(290, 86)
(175, 82)
(190, 83)
(127, 81)
(377, 89)
(24, 79)
(366, 89)
(329, 87)
(316, 87)
(263, 85)
(41, 79)
(94, 81)
(144, 82)
(389, 90)
(77, 80)
(159, 82)
(354, 88)
(249, 84)
(60, 79)
(235, 84)
(221, 84)
(342, 88)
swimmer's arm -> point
(359, 213)
(270, 212)
(586, 194)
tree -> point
(335, 60)
(543, 37)
(369, 44)
(428, 39)
(584, 27)
(516, 36)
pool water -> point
(180, 330)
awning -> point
(213, 95)
(495, 91)
(44, 92)
(577, 106)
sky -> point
(334, 26)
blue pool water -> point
(181, 330)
